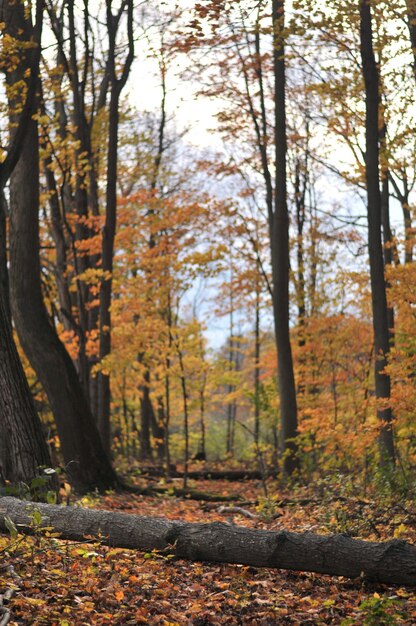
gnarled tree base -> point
(392, 562)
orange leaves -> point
(119, 595)
(92, 343)
(334, 366)
(90, 246)
(71, 342)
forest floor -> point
(65, 583)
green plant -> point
(267, 508)
(378, 611)
(37, 489)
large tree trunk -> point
(391, 562)
(86, 462)
(22, 446)
(279, 236)
(20, 426)
(375, 247)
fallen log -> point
(189, 494)
(206, 474)
(392, 562)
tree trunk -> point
(231, 367)
(76, 64)
(145, 419)
(375, 247)
(5, 461)
(4, 273)
(157, 422)
(391, 562)
(85, 201)
(257, 347)
(388, 246)
(108, 233)
(201, 455)
(151, 423)
(185, 400)
(86, 463)
(20, 425)
(109, 229)
(23, 450)
(279, 236)
(300, 203)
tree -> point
(251, 116)
(109, 229)
(375, 247)
(279, 242)
(77, 162)
(26, 454)
(23, 450)
(86, 462)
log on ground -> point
(189, 494)
(392, 562)
(206, 474)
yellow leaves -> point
(34, 601)
(57, 572)
(401, 531)
(93, 277)
(11, 50)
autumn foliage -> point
(220, 232)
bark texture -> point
(23, 448)
(26, 449)
(392, 562)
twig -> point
(237, 510)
